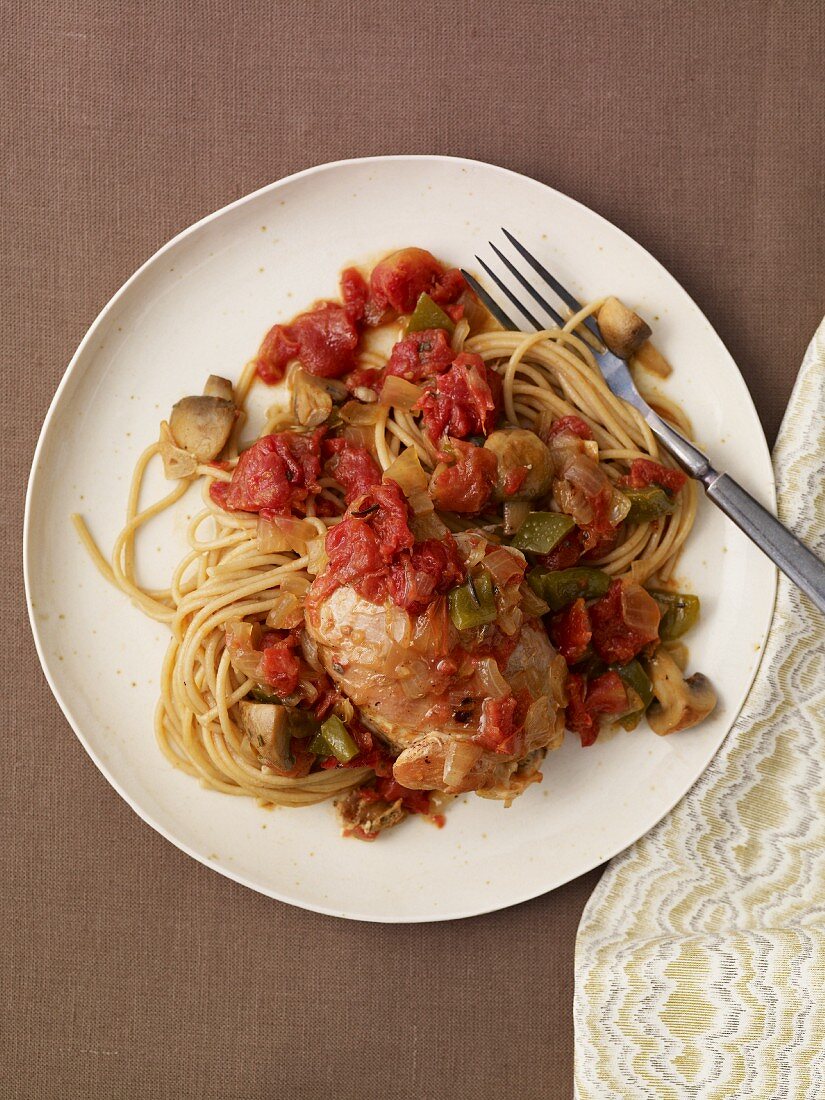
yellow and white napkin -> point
(700, 958)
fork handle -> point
(783, 548)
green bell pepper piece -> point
(648, 504)
(261, 696)
(680, 612)
(473, 603)
(630, 721)
(302, 723)
(299, 722)
(333, 739)
(634, 677)
(541, 532)
(429, 315)
(559, 587)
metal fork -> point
(780, 545)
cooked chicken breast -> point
(424, 694)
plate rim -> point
(531, 892)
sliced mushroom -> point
(218, 387)
(518, 450)
(267, 727)
(177, 463)
(622, 330)
(311, 401)
(201, 425)
(679, 703)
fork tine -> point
(557, 317)
(502, 286)
(551, 281)
(489, 302)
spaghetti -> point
(244, 589)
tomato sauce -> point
(645, 472)
(466, 485)
(420, 356)
(614, 639)
(275, 475)
(464, 400)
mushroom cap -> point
(515, 449)
(201, 425)
(267, 727)
(622, 330)
(216, 386)
(679, 703)
(311, 399)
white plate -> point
(201, 306)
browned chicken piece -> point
(427, 697)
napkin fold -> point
(700, 957)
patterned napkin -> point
(700, 959)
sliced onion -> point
(460, 334)
(585, 474)
(344, 709)
(591, 449)
(421, 503)
(640, 611)
(357, 414)
(296, 583)
(515, 513)
(433, 629)
(459, 759)
(572, 502)
(477, 316)
(509, 621)
(531, 604)
(407, 472)
(416, 684)
(241, 637)
(538, 723)
(399, 393)
(362, 435)
(619, 507)
(398, 626)
(506, 566)
(270, 538)
(563, 445)
(308, 690)
(282, 533)
(317, 556)
(286, 612)
(427, 525)
(489, 675)
(472, 547)
(309, 649)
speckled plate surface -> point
(200, 306)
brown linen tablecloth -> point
(128, 970)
